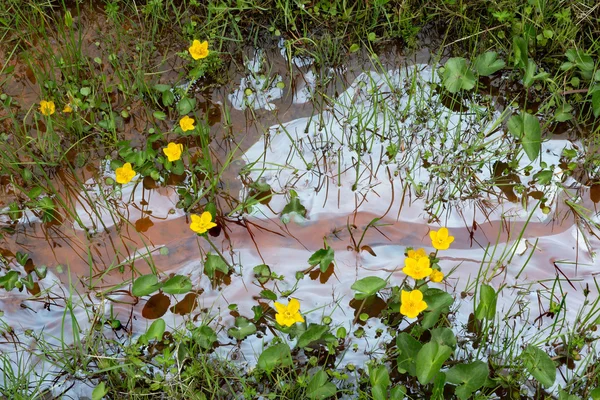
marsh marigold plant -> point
(441, 239)
(288, 315)
(173, 151)
(124, 174)
(411, 303)
(202, 223)
(199, 50)
(47, 108)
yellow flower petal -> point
(186, 123)
(294, 306)
(124, 174)
(436, 276)
(416, 296)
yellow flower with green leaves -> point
(199, 49)
(417, 268)
(202, 223)
(47, 107)
(187, 124)
(411, 303)
(125, 173)
(173, 151)
(436, 276)
(441, 239)
(288, 315)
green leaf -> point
(159, 115)
(471, 377)
(457, 76)
(313, 333)
(437, 299)
(408, 348)
(319, 388)
(205, 336)
(520, 51)
(487, 303)
(323, 257)
(380, 381)
(262, 273)
(543, 177)
(268, 294)
(156, 330)
(294, 206)
(168, 98)
(214, 263)
(186, 105)
(34, 192)
(99, 391)
(162, 88)
(354, 48)
(595, 394)
(9, 281)
(144, 285)
(530, 69)
(430, 359)
(488, 63)
(178, 284)
(85, 91)
(368, 286)
(596, 103)
(275, 356)
(563, 112)
(443, 336)
(527, 128)
(539, 365)
(243, 328)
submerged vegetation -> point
(279, 199)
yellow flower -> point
(47, 107)
(67, 108)
(436, 276)
(199, 50)
(412, 303)
(288, 315)
(173, 151)
(202, 223)
(440, 239)
(417, 268)
(416, 254)
(186, 123)
(125, 174)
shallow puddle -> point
(309, 143)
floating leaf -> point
(178, 284)
(294, 206)
(186, 305)
(275, 356)
(457, 76)
(156, 306)
(368, 286)
(145, 285)
(243, 328)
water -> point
(301, 138)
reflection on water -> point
(113, 236)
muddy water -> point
(141, 230)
